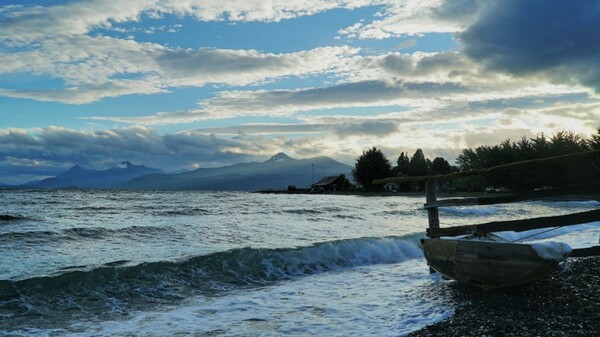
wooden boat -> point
(485, 260)
(490, 264)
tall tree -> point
(594, 142)
(403, 165)
(371, 165)
(565, 142)
(418, 164)
(440, 166)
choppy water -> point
(125, 263)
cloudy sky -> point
(202, 83)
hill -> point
(79, 177)
(275, 173)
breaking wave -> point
(122, 288)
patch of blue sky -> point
(45, 3)
(30, 113)
(370, 111)
(289, 83)
(140, 105)
(286, 36)
(534, 101)
(29, 81)
(430, 43)
(27, 113)
(225, 123)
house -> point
(391, 187)
(329, 183)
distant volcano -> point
(79, 177)
(277, 172)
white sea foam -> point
(463, 210)
(553, 251)
(367, 301)
(577, 233)
(569, 204)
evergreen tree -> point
(566, 142)
(418, 164)
(534, 175)
(594, 142)
(403, 165)
(371, 165)
(440, 166)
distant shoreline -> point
(440, 195)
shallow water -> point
(225, 264)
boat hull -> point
(487, 265)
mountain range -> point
(278, 172)
(79, 177)
(275, 173)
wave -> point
(134, 287)
(469, 210)
(182, 212)
(77, 233)
(570, 204)
(13, 217)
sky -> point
(180, 85)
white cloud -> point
(34, 23)
(426, 83)
(93, 67)
(414, 17)
(54, 42)
(230, 104)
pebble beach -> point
(565, 304)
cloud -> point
(57, 42)
(341, 127)
(414, 17)
(407, 44)
(555, 39)
(38, 153)
(230, 104)
(421, 82)
(258, 10)
(30, 23)
(96, 67)
(87, 94)
(242, 67)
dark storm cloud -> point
(559, 39)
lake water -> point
(128, 263)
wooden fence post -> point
(432, 213)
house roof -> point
(327, 180)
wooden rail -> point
(593, 188)
(432, 204)
(518, 225)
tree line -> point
(373, 164)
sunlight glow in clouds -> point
(177, 84)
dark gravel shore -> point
(565, 304)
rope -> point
(528, 236)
